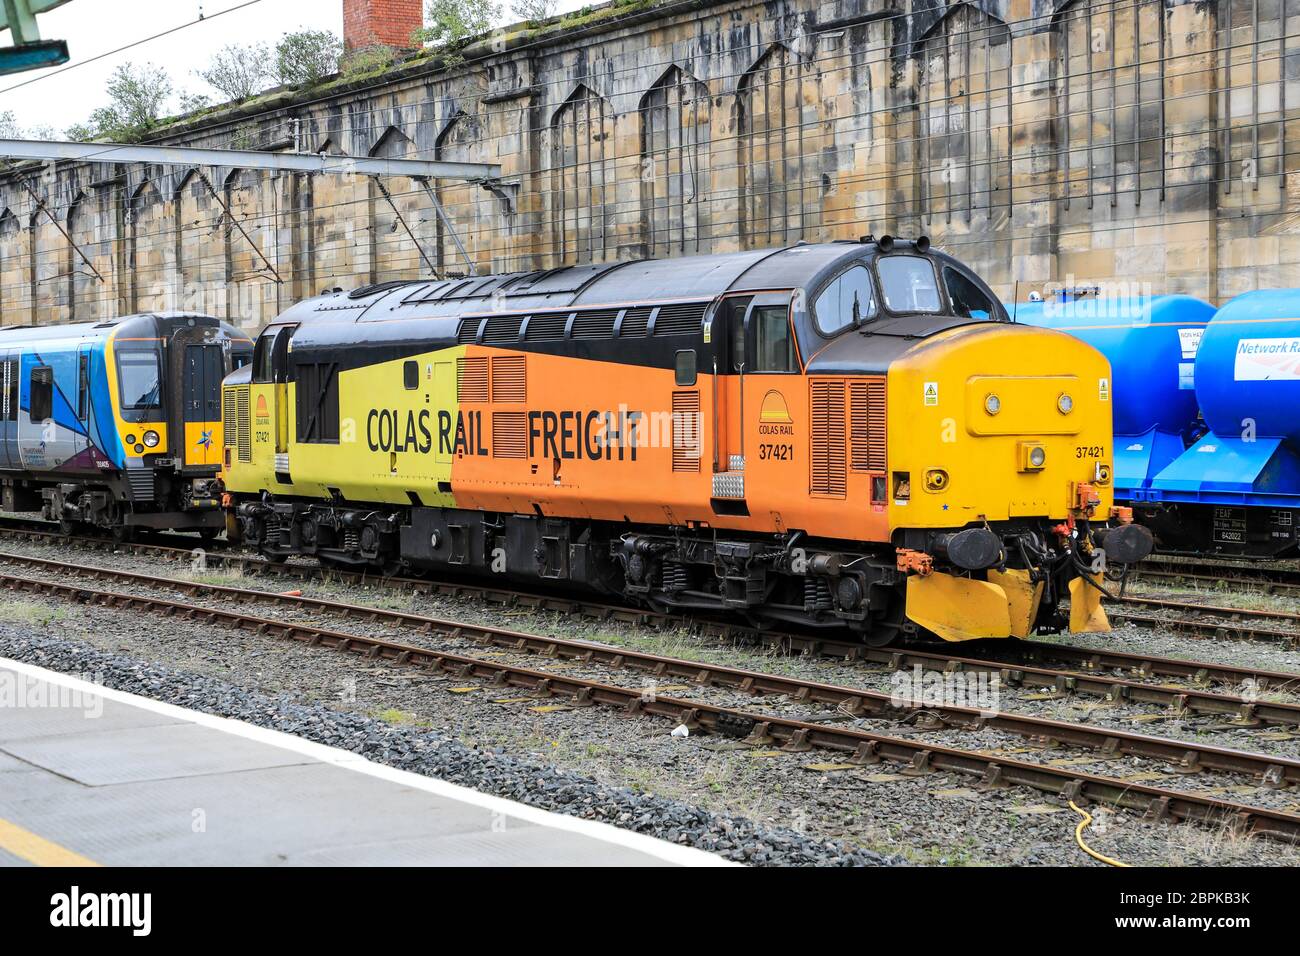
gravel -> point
(434, 754)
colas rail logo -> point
(263, 412)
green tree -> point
(451, 21)
(307, 57)
(137, 95)
(533, 10)
(238, 72)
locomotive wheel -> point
(67, 527)
(123, 534)
(272, 557)
(208, 535)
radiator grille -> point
(471, 379)
(828, 439)
(509, 435)
(509, 379)
(867, 424)
(243, 425)
(686, 431)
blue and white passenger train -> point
(116, 424)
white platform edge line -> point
(607, 833)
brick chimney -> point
(369, 23)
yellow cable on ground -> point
(1078, 837)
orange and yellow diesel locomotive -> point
(849, 434)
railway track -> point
(1091, 671)
(756, 728)
(1181, 570)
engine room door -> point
(81, 435)
(201, 405)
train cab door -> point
(81, 434)
(751, 339)
(201, 375)
(9, 458)
(270, 398)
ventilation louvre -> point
(681, 318)
(243, 424)
(502, 329)
(867, 424)
(471, 379)
(686, 431)
(509, 435)
(509, 379)
(468, 332)
(636, 322)
(594, 325)
(229, 415)
(548, 327)
(828, 439)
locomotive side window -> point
(411, 375)
(773, 343)
(686, 368)
(42, 393)
(908, 284)
(318, 402)
(849, 300)
(139, 379)
(967, 300)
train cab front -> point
(169, 417)
(1001, 485)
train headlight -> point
(992, 404)
(1064, 404)
(1033, 456)
(151, 439)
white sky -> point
(94, 27)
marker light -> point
(992, 404)
(1038, 457)
(1064, 404)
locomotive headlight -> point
(151, 439)
(992, 404)
(1064, 404)
(1033, 456)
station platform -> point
(92, 776)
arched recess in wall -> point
(675, 142)
(779, 139)
(83, 288)
(250, 286)
(582, 200)
(1110, 105)
(200, 246)
(468, 206)
(400, 214)
(150, 250)
(966, 120)
(15, 281)
(336, 251)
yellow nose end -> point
(1087, 616)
